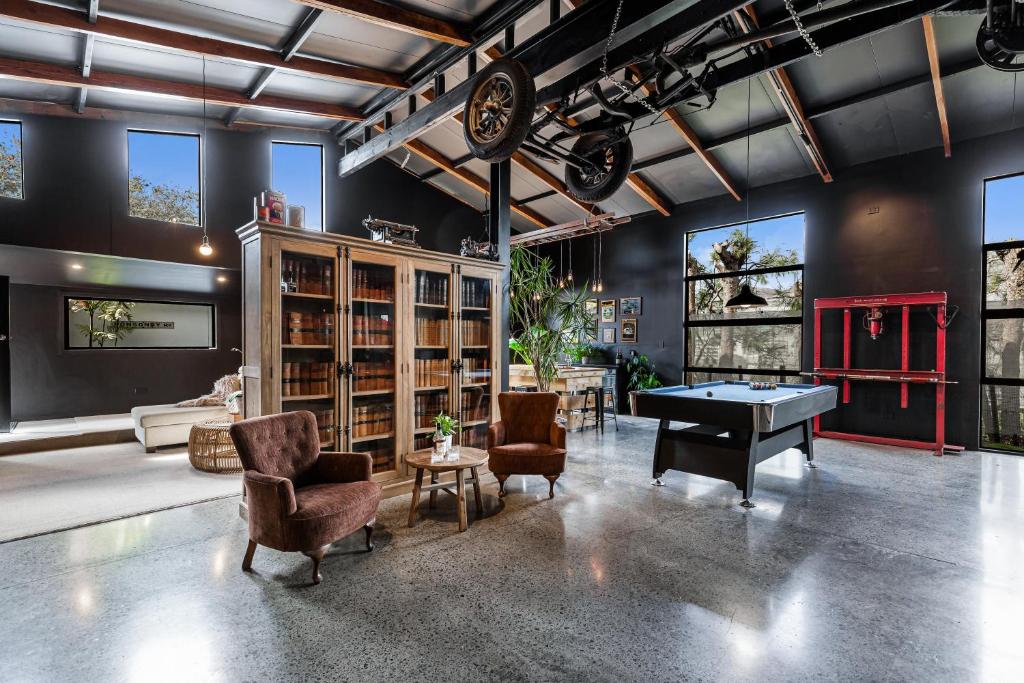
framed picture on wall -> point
(608, 311)
(629, 331)
(591, 308)
(608, 335)
(630, 305)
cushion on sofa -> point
(155, 416)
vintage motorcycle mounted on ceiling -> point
(1001, 35)
(504, 112)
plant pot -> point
(585, 360)
(632, 403)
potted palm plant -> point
(546, 320)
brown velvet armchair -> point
(526, 440)
(301, 499)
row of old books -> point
(431, 289)
(476, 293)
(377, 284)
(432, 372)
(478, 411)
(475, 437)
(427, 406)
(383, 456)
(476, 365)
(371, 330)
(307, 329)
(372, 419)
(373, 375)
(432, 331)
(307, 378)
(306, 277)
(325, 425)
(475, 332)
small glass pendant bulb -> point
(204, 247)
(600, 286)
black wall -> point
(925, 235)
(76, 199)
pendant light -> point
(568, 278)
(746, 297)
(561, 276)
(600, 262)
(593, 264)
(205, 248)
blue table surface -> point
(741, 391)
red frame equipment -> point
(904, 375)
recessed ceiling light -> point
(222, 278)
(76, 266)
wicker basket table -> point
(210, 448)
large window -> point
(297, 170)
(134, 324)
(11, 184)
(760, 343)
(1002, 384)
(163, 177)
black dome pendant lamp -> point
(746, 297)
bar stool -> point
(595, 414)
(610, 389)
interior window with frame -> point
(761, 343)
(297, 171)
(11, 161)
(163, 177)
(1002, 383)
(93, 323)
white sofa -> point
(167, 425)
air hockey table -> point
(731, 427)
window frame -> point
(21, 164)
(794, 320)
(199, 173)
(99, 297)
(987, 314)
(323, 174)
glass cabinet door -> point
(476, 359)
(432, 343)
(308, 331)
(373, 344)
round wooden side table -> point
(469, 459)
(210, 448)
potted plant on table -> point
(642, 376)
(545, 319)
(444, 427)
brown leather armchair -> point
(526, 440)
(301, 499)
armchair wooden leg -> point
(247, 560)
(501, 484)
(552, 478)
(317, 556)
(369, 535)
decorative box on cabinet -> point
(375, 339)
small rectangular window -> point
(134, 324)
(163, 177)
(11, 183)
(297, 171)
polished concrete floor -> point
(882, 565)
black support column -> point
(500, 226)
(5, 353)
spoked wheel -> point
(608, 167)
(1001, 48)
(499, 110)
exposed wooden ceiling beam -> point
(439, 160)
(690, 137)
(51, 15)
(54, 74)
(85, 67)
(786, 93)
(397, 18)
(940, 98)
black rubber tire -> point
(524, 102)
(622, 161)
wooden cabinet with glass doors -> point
(373, 339)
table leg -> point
(415, 495)
(476, 491)
(460, 479)
(433, 494)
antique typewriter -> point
(390, 232)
